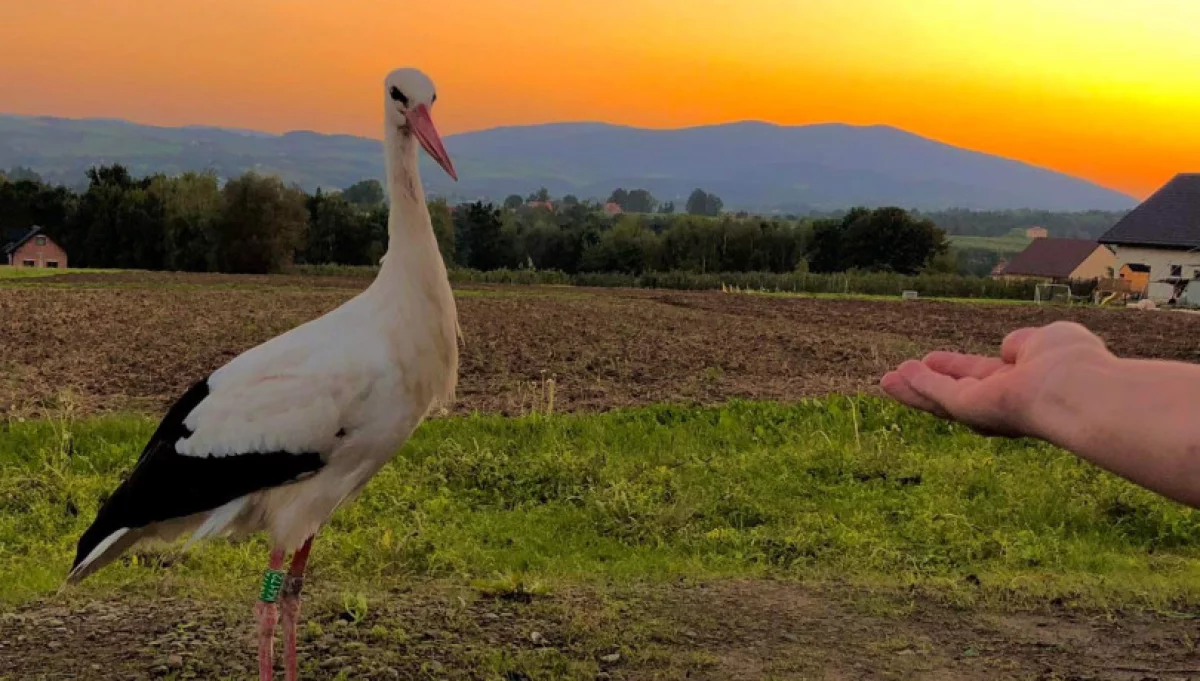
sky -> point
(1107, 90)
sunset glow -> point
(1105, 89)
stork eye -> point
(434, 98)
(399, 96)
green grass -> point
(856, 492)
(9, 272)
(1007, 245)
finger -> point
(1013, 342)
(898, 389)
(942, 390)
(958, 365)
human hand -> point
(998, 395)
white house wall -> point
(1160, 263)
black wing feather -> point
(165, 484)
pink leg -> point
(267, 614)
(291, 607)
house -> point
(1036, 233)
(1162, 237)
(31, 248)
(1055, 260)
(540, 204)
(611, 208)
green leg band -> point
(272, 584)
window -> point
(29, 263)
(1176, 270)
(52, 264)
(41, 241)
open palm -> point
(995, 395)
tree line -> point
(255, 224)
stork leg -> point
(291, 607)
(267, 614)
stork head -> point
(409, 95)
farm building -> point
(1053, 260)
(1161, 237)
(31, 248)
(1036, 233)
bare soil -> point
(724, 631)
(112, 342)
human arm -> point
(1137, 418)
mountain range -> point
(750, 165)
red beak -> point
(422, 126)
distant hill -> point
(756, 166)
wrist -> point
(1068, 408)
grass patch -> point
(1004, 245)
(845, 491)
(10, 272)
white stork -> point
(278, 438)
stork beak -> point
(422, 126)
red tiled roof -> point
(1051, 257)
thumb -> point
(1010, 349)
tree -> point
(619, 197)
(191, 207)
(262, 225)
(479, 237)
(639, 201)
(364, 194)
(667, 208)
(702, 203)
(119, 222)
(570, 200)
(628, 247)
(514, 201)
(542, 195)
(888, 239)
(443, 229)
(23, 174)
(891, 239)
(24, 203)
(337, 231)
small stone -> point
(490, 616)
(610, 658)
(95, 667)
(332, 662)
(391, 673)
(175, 661)
(54, 622)
(537, 638)
(160, 670)
(791, 638)
(53, 645)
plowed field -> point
(134, 341)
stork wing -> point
(244, 428)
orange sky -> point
(1104, 89)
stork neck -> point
(412, 254)
(407, 196)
